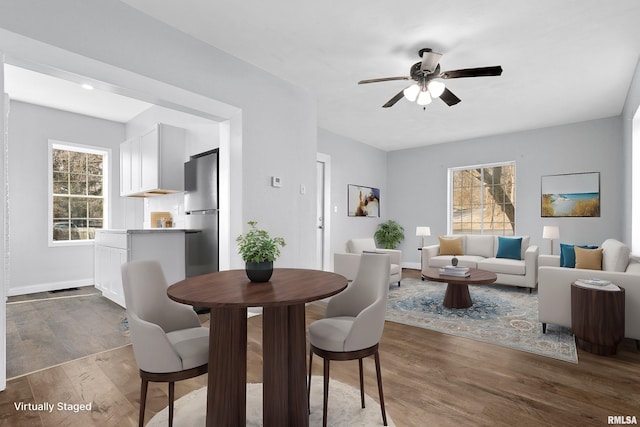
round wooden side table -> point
(597, 318)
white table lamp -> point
(551, 232)
(423, 231)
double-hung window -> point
(77, 192)
(482, 199)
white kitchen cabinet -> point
(153, 163)
(115, 247)
(129, 155)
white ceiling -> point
(564, 61)
(41, 89)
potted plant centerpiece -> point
(389, 234)
(258, 250)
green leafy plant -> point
(389, 234)
(257, 245)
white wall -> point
(418, 180)
(278, 119)
(631, 140)
(34, 266)
(353, 162)
(4, 109)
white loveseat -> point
(554, 286)
(346, 263)
(479, 251)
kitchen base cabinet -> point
(115, 247)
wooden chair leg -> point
(309, 380)
(380, 393)
(171, 395)
(361, 382)
(143, 401)
(326, 393)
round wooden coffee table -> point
(457, 294)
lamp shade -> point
(424, 98)
(411, 93)
(423, 231)
(550, 232)
(436, 88)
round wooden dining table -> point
(228, 294)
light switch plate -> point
(276, 181)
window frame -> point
(70, 146)
(450, 189)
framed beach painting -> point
(363, 201)
(571, 195)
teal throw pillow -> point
(509, 247)
(568, 254)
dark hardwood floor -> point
(430, 379)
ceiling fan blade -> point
(472, 72)
(392, 101)
(384, 79)
(449, 98)
(430, 60)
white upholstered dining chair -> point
(353, 324)
(169, 343)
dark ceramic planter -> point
(259, 271)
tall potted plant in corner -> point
(389, 234)
(259, 250)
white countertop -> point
(143, 230)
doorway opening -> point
(323, 212)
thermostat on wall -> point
(276, 181)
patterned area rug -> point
(343, 409)
(502, 315)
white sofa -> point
(554, 286)
(479, 251)
(346, 263)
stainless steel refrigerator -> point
(201, 213)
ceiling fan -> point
(426, 75)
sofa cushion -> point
(588, 259)
(470, 261)
(451, 246)
(503, 265)
(481, 245)
(357, 246)
(568, 254)
(615, 255)
(509, 247)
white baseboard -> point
(412, 265)
(46, 287)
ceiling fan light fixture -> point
(411, 93)
(436, 88)
(424, 98)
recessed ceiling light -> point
(86, 86)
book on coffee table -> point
(450, 270)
